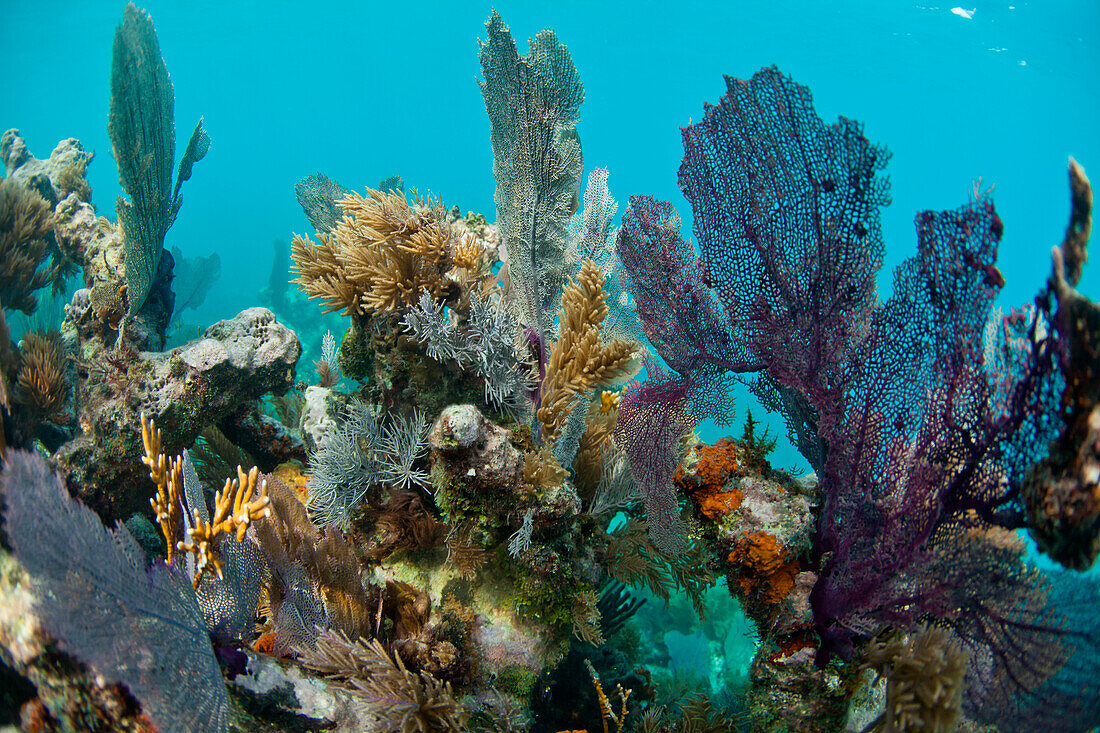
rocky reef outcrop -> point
(236, 362)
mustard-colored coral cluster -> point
(382, 254)
(237, 505)
(167, 474)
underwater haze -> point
(719, 375)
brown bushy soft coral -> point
(396, 699)
(295, 546)
(924, 680)
(26, 227)
(41, 384)
(380, 256)
(579, 360)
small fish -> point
(964, 13)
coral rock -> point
(44, 176)
(184, 390)
(475, 452)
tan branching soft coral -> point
(924, 680)
(592, 450)
(579, 360)
(41, 383)
(541, 469)
(26, 227)
(382, 254)
(586, 617)
(320, 274)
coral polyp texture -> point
(492, 499)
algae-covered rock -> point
(236, 362)
(473, 453)
(53, 178)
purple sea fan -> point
(681, 315)
(129, 623)
(922, 480)
(653, 419)
(787, 218)
(928, 410)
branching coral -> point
(633, 559)
(26, 227)
(41, 384)
(488, 344)
(586, 617)
(167, 474)
(397, 700)
(316, 580)
(580, 361)
(607, 711)
(379, 256)
(363, 450)
(1062, 492)
(238, 504)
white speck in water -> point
(964, 13)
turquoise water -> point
(364, 90)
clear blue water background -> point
(364, 90)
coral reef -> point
(1062, 492)
(236, 362)
(454, 528)
(53, 178)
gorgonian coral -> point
(379, 256)
(925, 412)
